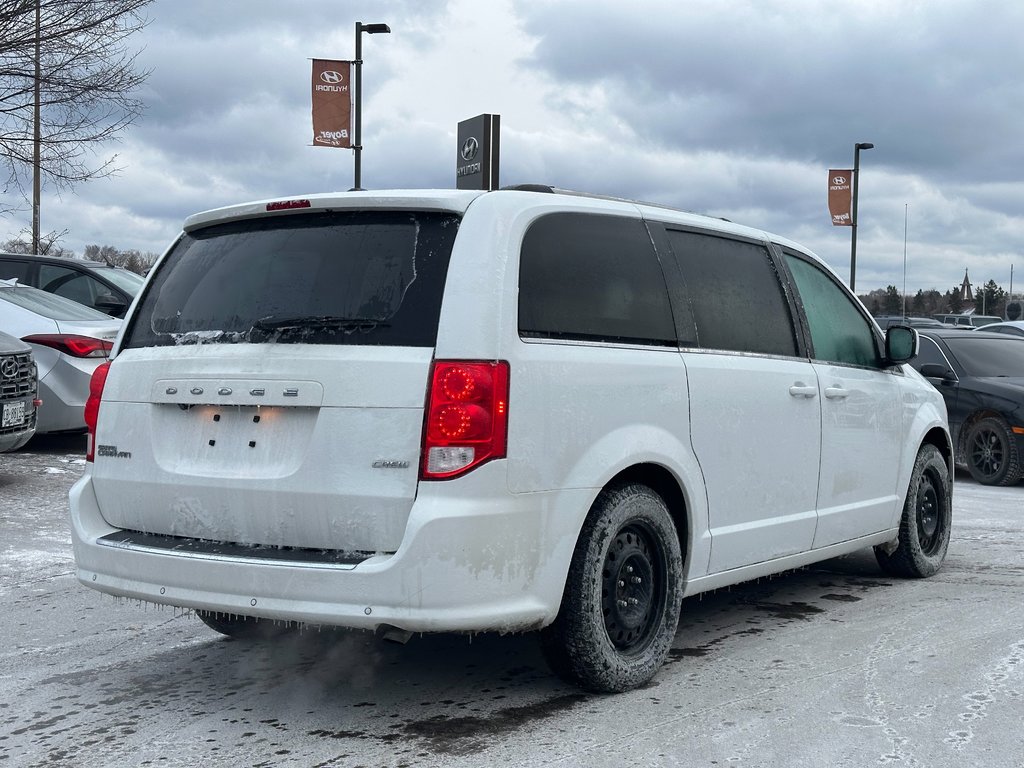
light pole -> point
(357, 130)
(853, 218)
(36, 141)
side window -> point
(839, 332)
(929, 352)
(590, 277)
(14, 270)
(735, 294)
(69, 283)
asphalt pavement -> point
(832, 665)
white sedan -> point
(1011, 327)
(69, 340)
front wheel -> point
(245, 627)
(992, 455)
(926, 522)
(620, 607)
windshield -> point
(127, 281)
(989, 357)
(357, 277)
(49, 304)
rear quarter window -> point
(593, 278)
(353, 277)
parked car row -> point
(65, 312)
(969, 321)
(67, 340)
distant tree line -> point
(133, 260)
(989, 299)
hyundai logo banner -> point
(476, 164)
(840, 197)
(332, 103)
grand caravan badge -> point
(112, 452)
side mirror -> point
(901, 344)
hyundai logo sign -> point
(476, 161)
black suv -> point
(97, 285)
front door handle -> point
(802, 390)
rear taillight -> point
(467, 417)
(70, 344)
(92, 406)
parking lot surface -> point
(832, 665)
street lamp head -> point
(864, 145)
(373, 29)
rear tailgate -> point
(312, 446)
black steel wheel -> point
(633, 579)
(926, 521)
(992, 455)
(620, 605)
(927, 512)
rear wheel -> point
(245, 627)
(992, 455)
(620, 607)
(926, 521)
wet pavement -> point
(832, 665)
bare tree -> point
(47, 245)
(85, 84)
(136, 261)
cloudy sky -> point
(727, 107)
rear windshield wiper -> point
(315, 323)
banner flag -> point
(840, 196)
(332, 103)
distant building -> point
(966, 292)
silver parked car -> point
(68, 341)
(18, 399)
(1009, 327)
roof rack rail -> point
(548, 189)
(530, 188)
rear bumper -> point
(468, 562)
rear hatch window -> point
(354, 277)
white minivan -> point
(458, 411)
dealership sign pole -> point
(337, 100)
(842, 203)
(357, 147)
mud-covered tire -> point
(620, 606)
(245, 627)
(926, 521)
(991, 453)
